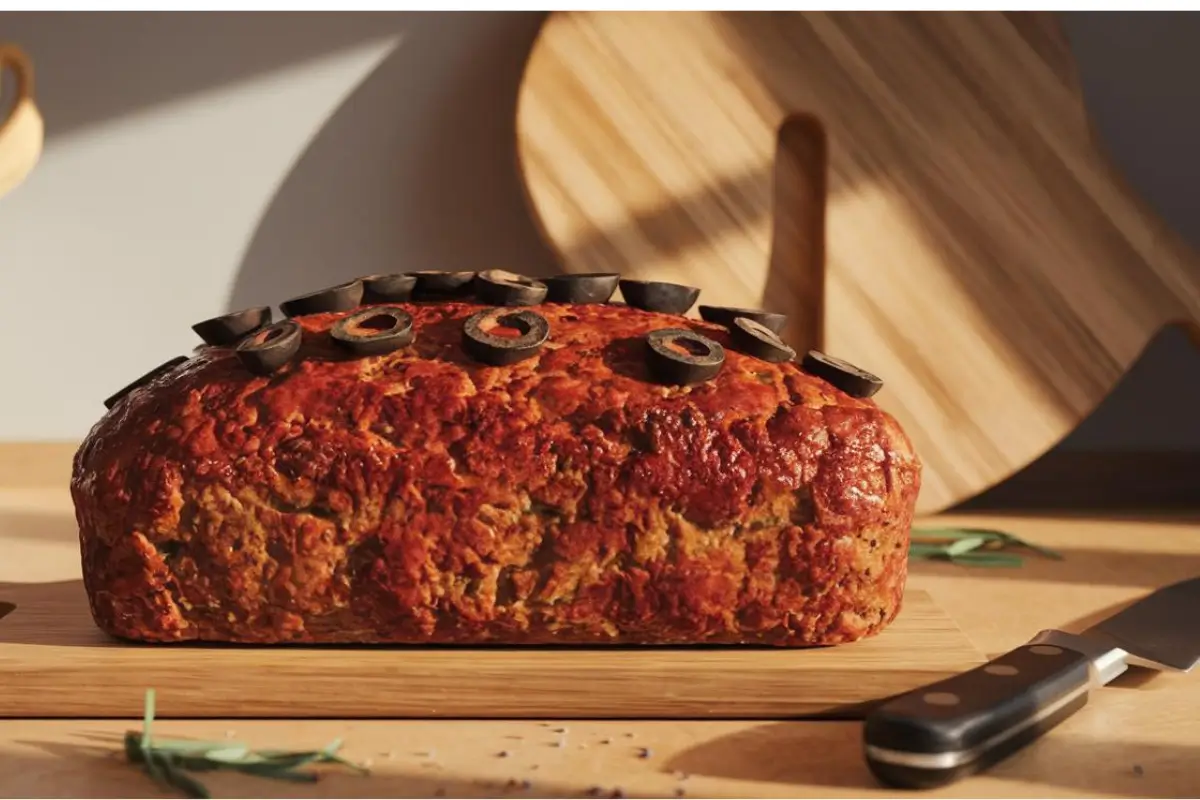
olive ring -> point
(683, 357)
(374, 331)
(483, 345)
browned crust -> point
(423, 497)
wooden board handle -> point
(22, 132)
(16, 60)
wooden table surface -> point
(1137, 738)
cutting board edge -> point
(526, 693)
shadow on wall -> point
(419, 160)
(131, 62)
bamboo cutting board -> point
(55, 663)
(919, 192)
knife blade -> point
(939, 733)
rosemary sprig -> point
(972, 547)
(169, 761)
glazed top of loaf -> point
(336, 433)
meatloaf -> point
(421, 496)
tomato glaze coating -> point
(421, 496)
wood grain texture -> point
(920, 192)
(22, 131)
(54, 662)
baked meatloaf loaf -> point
(432, 458)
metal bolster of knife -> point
(1107, 660)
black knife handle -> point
(947, 730)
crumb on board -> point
(617, 792)
(594, 791)
(527, 784)
(503, 754)
(679, 792)
(644, 752)
(628, 735)
(1138, 771)
(390, 755)
(560, 730)
(606, 740)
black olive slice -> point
(226, 329)
(437, 285)
(681, 357)
(395, 288)
(668, 298)
(755, 339)
(161, 369)
(590, 287)
(842, 374)
(374, 331)
(725, 315)
(497, 287)
(269, 349)
(497, 350)
(342, 297)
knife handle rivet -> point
(1007, 670)
(941, 698)
(1045, 650)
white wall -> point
(199, 162)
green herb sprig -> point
(169, 761)
(972, 547)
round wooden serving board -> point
(920, 192)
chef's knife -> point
(939, 733)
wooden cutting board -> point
(920, 192)
(55, 663)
